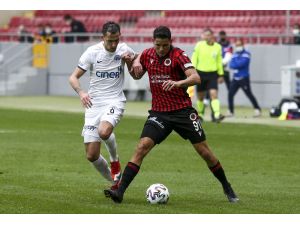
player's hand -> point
(137, 68)
(85, 99)
(128, 57)
(220, 80)
(169, 85)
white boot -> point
(257, 113)
(229, 114)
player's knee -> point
(142, 149)
(91, 157)
(104, 134)
(204, 151)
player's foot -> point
(229, 114)
(257, 113)
(228, 191)
(114, 195)
(219, 119)
(116, 174)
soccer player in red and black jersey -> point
(170, 74)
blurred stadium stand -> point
(258, 26)
(266, 32)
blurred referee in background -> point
(207, 59)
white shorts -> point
(110, 112)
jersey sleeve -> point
(184, 61)
(85, 60)
(130, 50)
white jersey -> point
(106, 72)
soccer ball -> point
(157, 194)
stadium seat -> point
(234, 22)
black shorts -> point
(209, 80)
(185, 122)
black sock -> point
(129, 173)
(219, 173)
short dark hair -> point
(67, 17)
(222, 32)
(111, 27)
(162, 32)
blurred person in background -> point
(24, 35)
(227, 51)
(76, 26)
(207, 59)
(40, 35)
(240, 63)
(296, 33)
(49, 33)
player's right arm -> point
(192, 79)
(137, 70)
(74, 82)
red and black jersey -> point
(160, 69)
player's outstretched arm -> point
(192, 79)
(74, 82)
(137, 71)
(133, 65)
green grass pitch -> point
(43, 168)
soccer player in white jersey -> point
(105, 100)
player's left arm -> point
(184, 63)
(192, 79)
(133, 65)
(128, 58)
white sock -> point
(102, 166)
(111, 146)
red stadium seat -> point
(238, 22)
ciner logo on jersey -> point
(109, 74)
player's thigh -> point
(112, 114)
(156, 128)
(91, 123)
(213, 86)
(187, 124)
(105, 129)
(202, 87)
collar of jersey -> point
(110, 53)
(167, 55)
